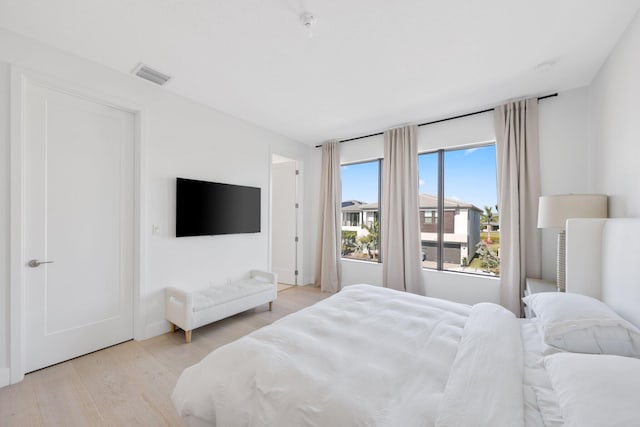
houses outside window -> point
(361, 211)
(458, 214)
(459, 186)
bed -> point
(370, 356)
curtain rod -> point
(438, 121)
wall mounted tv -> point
(210, 208)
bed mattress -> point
(370, 356)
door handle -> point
(35, 263)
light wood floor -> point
(283, 287)
(129, 384)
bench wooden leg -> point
(187, 336)
(270, 305)
(172, 327)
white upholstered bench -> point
(190, 310)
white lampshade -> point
(553, 211)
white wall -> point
(564, 153)
(614, 126)
(4, 215)
(454, 133)
(459, 287)
(180, 138)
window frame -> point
(439, 211)
(379, 161)
(440, 226)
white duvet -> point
(367, 356)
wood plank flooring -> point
(130, 384)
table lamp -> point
(553, 212)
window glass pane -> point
(360, 211)
(471, 236)
(428, 205)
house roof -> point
(427, 201)
(350, 203)
(352, 208)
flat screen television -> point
(211, 208)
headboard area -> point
(603, 261)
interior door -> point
(79, 212)
(284, 221)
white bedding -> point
(485, 383)
(541, 408)
(596, 390)
(367, 356)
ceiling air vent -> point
(148, 73)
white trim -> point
(300, 222)
(269, 215)
(16, 295)
(299, 215)
(156, 328)
(5, 377)
(19, 76)
(465, 146)
(142, 224)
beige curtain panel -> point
(400, 243)
(329, 229)
(517, 150)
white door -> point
(78, 197)
(284, 224)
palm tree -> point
(487, 217)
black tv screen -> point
(210, 208)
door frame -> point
(299, 215)
(19, 78)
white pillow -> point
(581, 324)
(596, 390)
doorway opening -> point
(285, 218)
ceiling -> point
(370, 65)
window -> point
(361, 211)
(350, 219)
(428, 205)
(459, 186)
(430, 217)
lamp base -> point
(560, 262)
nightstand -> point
(533, 287)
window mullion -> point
(380, 254)
(440, 228)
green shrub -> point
(349, 244)
(488, 258)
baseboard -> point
(155, 329)
(5, 377)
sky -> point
(469, 176)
